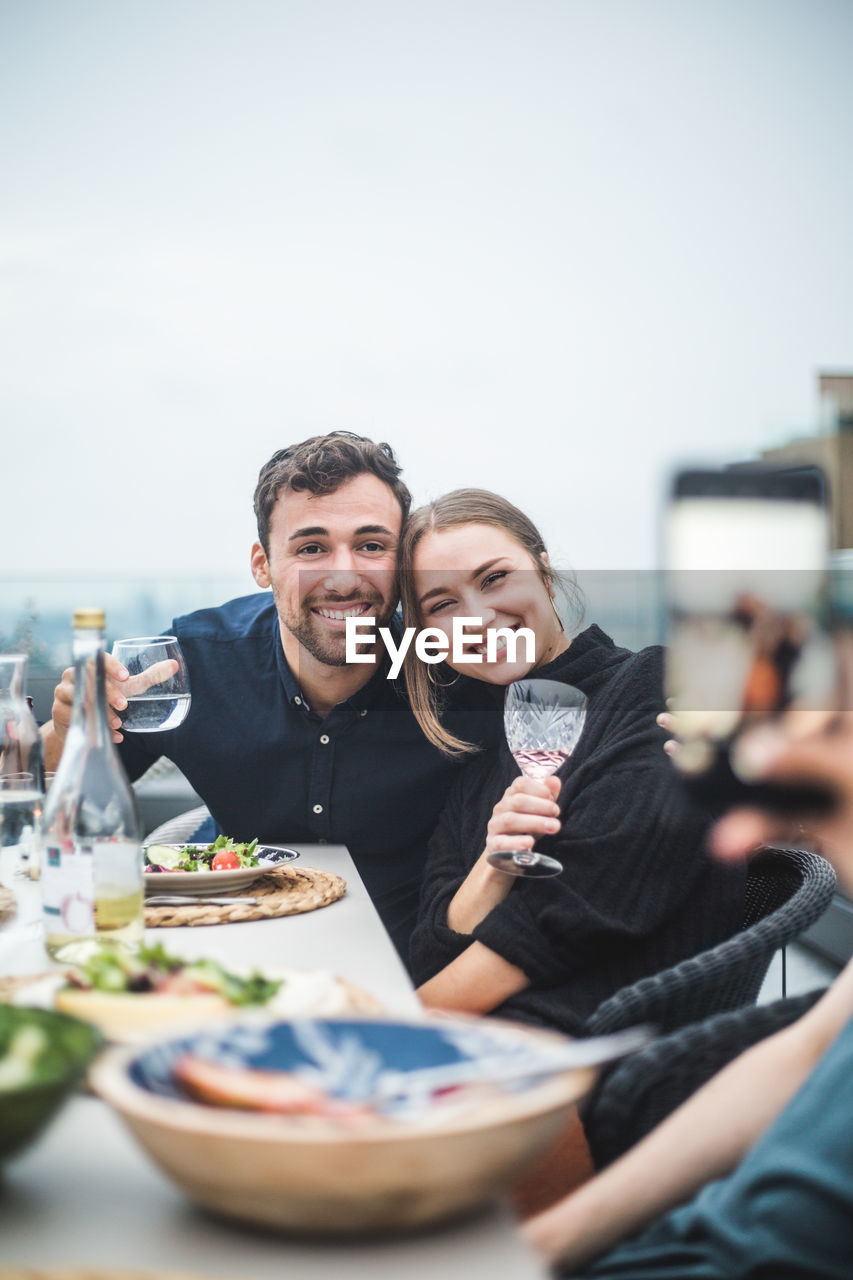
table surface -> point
(86, 1194)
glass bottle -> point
(21, 758)
(91, 866)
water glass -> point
(158, 693)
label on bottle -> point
(68, 888)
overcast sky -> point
(549, 247)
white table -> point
(86, 1194)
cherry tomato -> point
(225, 860)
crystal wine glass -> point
(543, 720)
(157, 698)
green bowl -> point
(69, 1047)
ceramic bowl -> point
(62, 1050)
(430, 1160)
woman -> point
(637, 892)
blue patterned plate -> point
(399, 1068)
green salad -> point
(224, 854)
(152, 969)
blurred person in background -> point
(285, 740)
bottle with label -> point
(91, 863)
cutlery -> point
(193, 899)
(396, 1086)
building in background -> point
(831, 450)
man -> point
(285, 740)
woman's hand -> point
(790, 753)
(525, 811)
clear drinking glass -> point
(543, 720)
(21, 760)
(158, 696)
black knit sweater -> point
(638, 891)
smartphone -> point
(749, 623)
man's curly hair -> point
(321, 465)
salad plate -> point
(132, 998)
(205, 880)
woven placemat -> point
(7, 903)
(91, 1273)
(284, 891)
(10, 986)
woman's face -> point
(480, 571)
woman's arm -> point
(525, 811)
(477, 981)
(703, 1140)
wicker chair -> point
(786, 891)
(644, 1088)
(180, 829)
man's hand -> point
(120, 686)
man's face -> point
(329, 558)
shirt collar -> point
(360, 702)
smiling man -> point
(328, 554)
(285, 740)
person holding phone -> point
(753, 1175)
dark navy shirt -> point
(267, 766)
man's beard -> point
(329, 647)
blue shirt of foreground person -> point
(285, 740)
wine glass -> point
(158, 697)
(543, 720)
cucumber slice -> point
(165, 855)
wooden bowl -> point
(310, 1174)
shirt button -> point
(324, 738)
(297, 702)
(318, 808)
(364, 712)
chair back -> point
(773, 879)
(642, 1089)
(787, 890)
(180, 829)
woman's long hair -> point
(462, 506)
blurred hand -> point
(795, 752)
(120, 686)
(666, 721)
